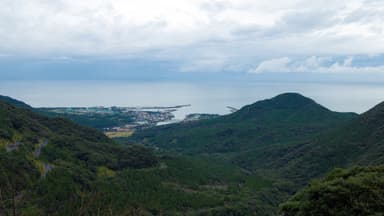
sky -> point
(192, 40)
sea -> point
(203, 97)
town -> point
(116, 121)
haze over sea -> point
(204, 97)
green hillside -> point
(246, 163)
(281, 120)
(95, 120)
(51, 166)
(14, 102)
(360, 142)
(289, 138)
(46, 160)
(355, 191)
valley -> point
(191, 108)
(248, 162)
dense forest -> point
(354, 191)
(260, 160)
(52, 166)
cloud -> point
(273, 65)
(197, 35)
(314, 65)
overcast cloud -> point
(250, 36)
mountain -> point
(281, 120)
(360, 142)
(289, 138)
(355, 191)
(245, 163)
(51, 166)
(46, 162)
(14, 102)
(287, 108)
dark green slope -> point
(265, 138)
(51, 166)
(284, 119)
(286, 108)
(98, 121)
(355, 191)
(361, 142)
(14, 102)
(47, 163)
(26, 129)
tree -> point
(355, 191)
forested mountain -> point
(281, 120)
(245, 163)
(51, 166)
(259, 137)
(14, 102)
(288, 138)
(290, 134)
(46, 163)
(355, 191)
(360, 142)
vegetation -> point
(281, 120)
(360, 142)
(269, 137)
(289, 139)
(246, 163)
(355, 191)
(14, 102)
(60, 168)
(94, 120)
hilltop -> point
(14, 102)
(283, 119)
(360, 142)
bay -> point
(204, 97)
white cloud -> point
(273, 65)
(314, 64)
(194, 31)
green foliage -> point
(79, 171)
(281, 120)
(360, 142)
(288, 138)
(64, 170)
(17, 174)
(136, 156)
(94, 120)
(14, 102)
(245, 163)
(356, 191)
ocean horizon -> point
(205, 97)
